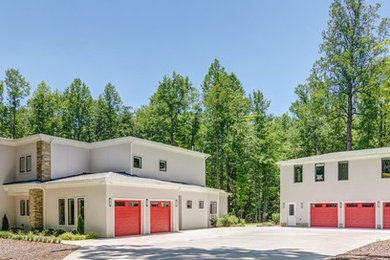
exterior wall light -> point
(301, 205)
(378, 204)
(176, 203)
(284, 205)
(147, 202)
(341, 205)
(109, 202)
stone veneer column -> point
(43, 161)
(36, 208)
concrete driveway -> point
(231, 243)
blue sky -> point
(271, 45)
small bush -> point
(80, 225)
(5, 225)
(58, 232)
(71, 236)
(91, 235)
(228, 220)
(214, 221)
(29, 237)
(275, 218)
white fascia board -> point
(75, 183)
(21, 187)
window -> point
(343, 171)
(80, 207)
(291, 210)
(201, 204)
(213, 207)
(386, 168)
(189, 204)
(22, 208)
(27, 207)
(154, 204)
(165, 204)
(163, 166)
(28, 163)
(137, 162)
(61, 211)
(320, 172)
(119, 203)
(298, 173)
(71, 212)
(22, 164)
(133, 204)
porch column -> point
(36, 208)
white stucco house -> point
(123, 186)
(345, 189)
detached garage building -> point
(346, 190)
(120, 187)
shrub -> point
(275, 218)
(47, 232)
(228, 220)
(5, 225)
(91, 235)
(58, 232)
(29, 237)
(80, 225)
(214, 221)
(71, 236)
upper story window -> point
(298, 173)
(343, 171)
(137, 162)
(163, 165)
(385, 167)
(25, 164)
(319, 172)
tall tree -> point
(17, 89)
(77, 114)
(42, 110)
(109, 107)
(175, 95)
(349, 55)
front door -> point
(291, 219)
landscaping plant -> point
(5, 225)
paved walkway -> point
(231, 243)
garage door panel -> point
(323, 215)
(127, 218)
(360, 215)
(160, 216)
(386, 215)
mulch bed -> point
(24, 250)
(376, 250)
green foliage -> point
(80, 225)
(29, 237)
(214, 221)
(5, 224)
(91, 235)
(229, 220)
(275, 218)
(72, 236)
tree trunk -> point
(349, 121)
(171, 132)
(217, 163)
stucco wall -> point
(69, 160)
(180, 167)
(26, 150)
(111, 158)
(7, 174)
(94, 207)
(365, 184)
(194, 217)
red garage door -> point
(127, 217)
(160, 216)
(323, 215)
(360, 215)
(386, 215)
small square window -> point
(137, 162)
(343, 171)
(119, 203)
(189, 204)
(320, 172)
(154, 204)
(28, 163)
(386, 168)
(165, 204)
(163, 165)
(298, 172)
(201, 204)
(22, 164)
